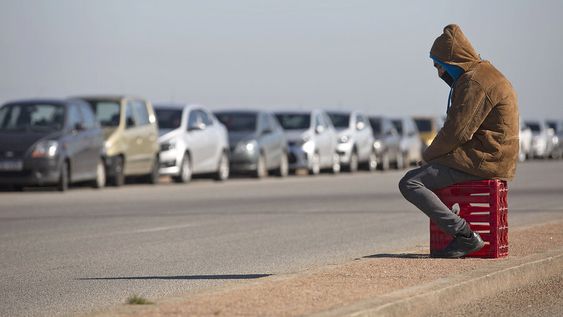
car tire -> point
(100, 180)
(354, 163)
(385, 162)
(283, 169)
(372, 162)
(336, 166)
(261, 167)
(63, 184)
(315, 168)
(118, 178)
(153, 176)
(223, 168)
(185, 175)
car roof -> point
(39, 101)
(247, 111)
(116, 98)
(179, 106)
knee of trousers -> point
(407, 184)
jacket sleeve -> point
(467, 112)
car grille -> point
(291, 158)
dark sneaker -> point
(461, 246)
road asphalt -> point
(85, 250)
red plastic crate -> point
(484, 205)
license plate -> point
(11, 165)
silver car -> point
(411, 143)
(542, 138)
(192, 141)
(355, 140)
(311, 140)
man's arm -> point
(467, 112)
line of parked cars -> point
(106, 139)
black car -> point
(387, 143)
(50, 142)
(257, 142)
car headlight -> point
(308, 146)
(167, 146)
(344, 139)
(45, 149)
(377, 145)
(248, 146)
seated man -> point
(479, 139)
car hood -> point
(20, 142)
(342, 132)
(236, 137)
(168, 134)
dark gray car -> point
(387, 143)
(50, 142)
(257, 142)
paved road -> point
(70, 253)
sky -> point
(350, 55)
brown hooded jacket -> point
(480, 135)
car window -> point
(206, 118)
(129, 117)
(32, 116)
(274, 122)
(90, 121)
(238, 121)
(74, 116)
(107, 112)
(423, 125)
(377, 126)
(266, 125)
(168, 118)
(195, 119)
(339, 120)
(398, 125)
(140, 113)
(294, 121)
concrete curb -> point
(422, 300)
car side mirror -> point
(319, 129)
(360, 126)
(79, 126)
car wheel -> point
(261, 168)
(399, 162)
(63, 177)
(283, 170)
(100, 180)
(353, 165)
(315, 168)
(118, 178)
(152, 177)
(372, 162)
(185, 170)
(336, 166)
(406, 161)
(223, 169)
(385, 162)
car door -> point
(94, 139)
(76, 144)
(212, 135)
(146, 135)
(326, 137)
(195, 129)
(365, 138)
(133, 139)
(278, 140)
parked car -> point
(50, 142)
(355, 140)
(387, 144)
(411, 144)
(130, 132)
(192, 141)
(257, 142)
(525, 140)
(428, 128)
(311, 139)
(557, 138)
(541, 138)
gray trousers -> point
(417, 185)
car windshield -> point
(168, 119)
(423, 125)
(237, 121)
(535, 127)
(375, 126)
(398, 125)
(339, 120)
(36, 117)
(552, 125)
(294, 121)
(107, 112)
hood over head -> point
(453, 48)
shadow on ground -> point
(397, 256)
(181, 277)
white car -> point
(192, 141)
(355, 140)
(525, 138)
(411, 143)
(542, 142)
(311, 140)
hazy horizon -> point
(361, 55)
